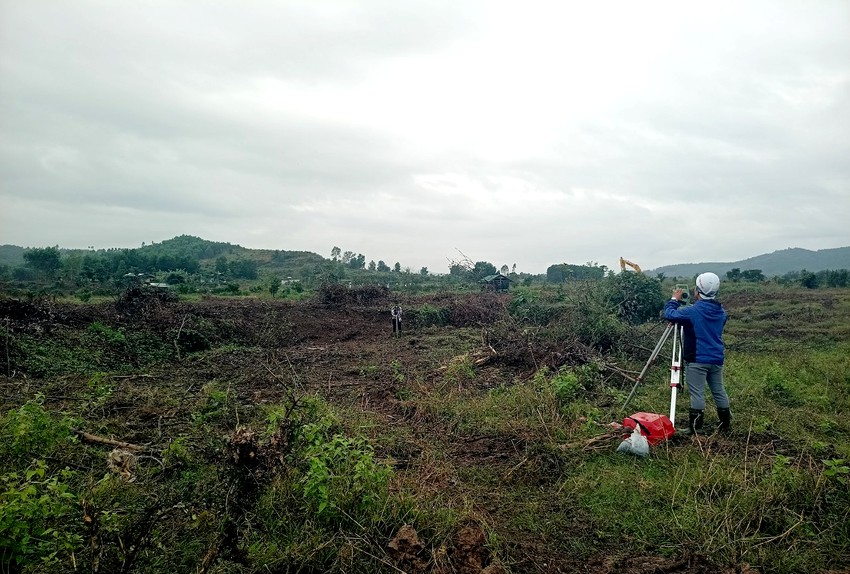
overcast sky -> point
(525, 133)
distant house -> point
(497, 282)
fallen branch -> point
(595, 442)
(110, 442)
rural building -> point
(497, 282)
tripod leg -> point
(650, 361)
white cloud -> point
(529, 133)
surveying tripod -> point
(675, 366)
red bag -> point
(655, 428)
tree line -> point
(808, 279)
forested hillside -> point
(770, 264)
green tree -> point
(568, 272)
(244, 269)
(45, 261)
(424, 271)
(221, 265)
(808, 279)
(483, 269)
(734, 275)
(837, 278)
(635, 296)
(397, 267)
(357, 261)
(175, 278)
(372, 266)
(383, 266)
(335, 253)
(459, 271)
(752, 275)
(274, 285)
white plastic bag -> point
(636, 444)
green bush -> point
(343, 481)
(38, 518)
(565, 386)
(106, 334)
(340, 480)
(32, 431)
(636, 297)
(525, 305)
(429, 315)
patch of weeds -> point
(837, 469)
(527, 306)
(333, 478)
(398, 371)
(779, 389)
(460, 370)
(430, 316)
(565, 386)
(146, 349)
(37, 518)
(192, 341)
(508, 410)
(216, 404)
(107, 335)
(369, 371)
(762, 424)
(176, 453)
(46, 358)
(100, 389)
(343, 480)
(32, 430)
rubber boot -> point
(725, 416)
(695, 419)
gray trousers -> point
(696, 376)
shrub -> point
(428, 315)
(565, 386)
(31, 430)
(36, 524)
(635, 296)
(343, 480)
(526, 306)
(107, 334)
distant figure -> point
(396, 313)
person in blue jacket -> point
(702, 349)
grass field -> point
(252, 435)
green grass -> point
(324, 486)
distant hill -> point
(286, 263)
(771, 264)
(271, 260)
(11, 255)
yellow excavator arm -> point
(624, 262)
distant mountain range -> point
(770, 264)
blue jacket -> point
(703, 325)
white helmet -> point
(707, 285)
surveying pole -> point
(676, 369)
